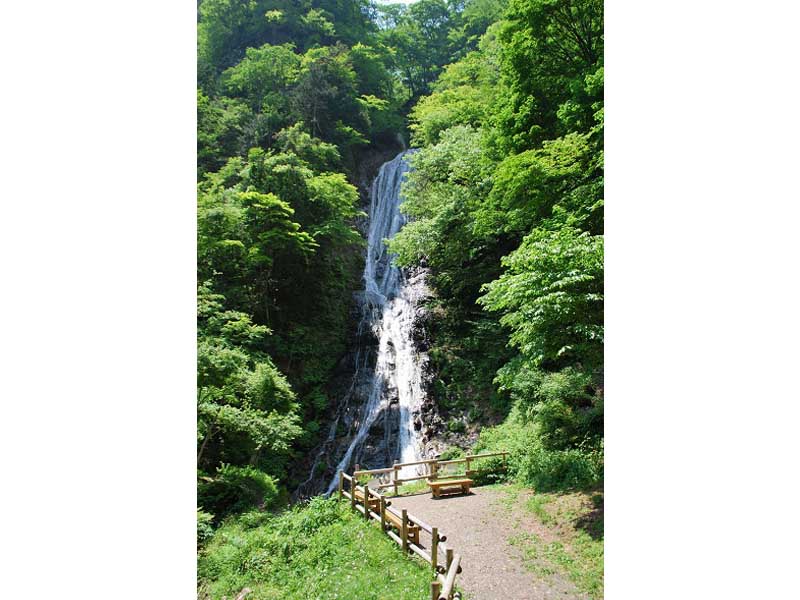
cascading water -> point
(389, 307)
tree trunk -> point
(210, 433)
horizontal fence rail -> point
(405, 528)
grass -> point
(412, 487)
(322, 550)
(572, 539)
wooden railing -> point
(430, 469)
(374, 505)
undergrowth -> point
(533, 465)
(573, 543)
(321, 550)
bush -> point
(205, 531)
(531, 463)
(550, 470)
(489, 470)
(456, 426)
(236, 489)
(451, 453)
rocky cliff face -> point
(381, 410)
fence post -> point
(467, 470)
(436, 588)
(341, 485)
(449, 555)
(366, 502)
(394, 477)
(383, 514)
(353, 488)
(404, 530)
(434, 548)
(435, 469)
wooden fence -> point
(374, 505)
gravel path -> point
(478, 526)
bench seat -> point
(374, 502)
(397, 523)
(436, 485)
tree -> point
(245, 405)
(549, 47)
(551, 297)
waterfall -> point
(388, 309)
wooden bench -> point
(397, 523)
(374, 501)
(436, 485)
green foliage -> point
(451, 453)
(547, 470)
(566, 406)
(463, 94)
(318, 550)
(288, 94)
(456, 426)
(575, 544)
(320, 156)
(419, 35)
(505, 101)
(549, 48)
(506, 208)
(235, 489)
(222, 127)
(263, 77)
(268, 390)
(205, 529)
(528, 186)
(326, 92)
(227, 28)
(246, 410)
(551, 297)
(532, 464)
(478, 16)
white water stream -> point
(389, 308)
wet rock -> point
(377, 428)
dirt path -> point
(479, 526)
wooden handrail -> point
(471, 457)
(450, 579)
(443, 584)
(398, 466)
(403, 539)
(372, 471)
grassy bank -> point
(570, 539)
(320, 550)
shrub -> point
(474, 414)
(489, 470)
(533, 464)
(451, 453)
(565, 406)
(456, 426)
(235, 489)
(549, 470)
(205, 531)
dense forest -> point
(504, 102)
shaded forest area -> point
(505, 102)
